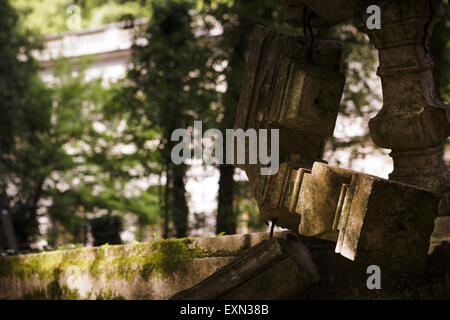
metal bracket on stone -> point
(324, 13)
(273, 269)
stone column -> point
(413, 122)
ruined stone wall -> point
(153, 270)
(159, 269)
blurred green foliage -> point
(51, 16)
(170, 84)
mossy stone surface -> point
(57, 274)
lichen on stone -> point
(170, 256)
(159, 259)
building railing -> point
(112, 37)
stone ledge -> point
(153, 270)
(134, 271)
(235, 243)
(441, 232)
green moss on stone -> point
(121, 262)
(108, 294)
(171, 256)
(23, 267)
(53, 291)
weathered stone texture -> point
(338, 277)
(413, 122)
(372, 219)
(154, 270)
(92, 274)
(294, 87)
(441, 232)
(388, 224)
(273, 269)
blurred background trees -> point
(238, 20)
(80, 158)
(172, 83)
(28, 147)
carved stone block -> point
(293, 87)
(373, 220)
(318, 201)
(290, 86)
(387, 223)
(273, 269)
(277, 195)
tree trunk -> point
(180, 211)
(167, 188)
(226, 219)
